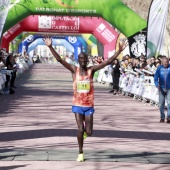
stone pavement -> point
(38, 129)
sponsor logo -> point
(72, 39)
(138, 47)
(30, 38)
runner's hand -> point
(47, 40)
(123, 44)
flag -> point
(137, 44)
(156, 27)
(4, 4)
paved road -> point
(38, 129)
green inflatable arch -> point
(113, 11)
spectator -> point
(10, 78)
(2, 61)
(116, 76)
(38, 59)
(137, 63)
(15, 67)
(157, 62)
(162, 82)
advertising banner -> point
(102, 30)
(59, 24)
(115, 12)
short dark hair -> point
(84, 54)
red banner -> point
(66, 24)
(59, 24)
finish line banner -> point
(156, 27)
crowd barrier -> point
(3, 73)
(140, 88)
(104, 76)
(21, 65)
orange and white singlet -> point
(83, 89)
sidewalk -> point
(38, 130)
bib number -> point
(83, 86)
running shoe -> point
(80, 157)
(85, 135)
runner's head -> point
(83, 59)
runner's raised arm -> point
(48, 42)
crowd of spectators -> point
(141, 66)
(142, 63)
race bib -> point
(83, 86)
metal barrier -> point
(141, 88)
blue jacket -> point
(162, 77)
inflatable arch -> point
(56, 42)
(92, 42)
(59, 42)
(84, 44)
(16, 42)
(115, 12)
(76, 44)
(58, 24)
(71, 39)
(87, 43)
